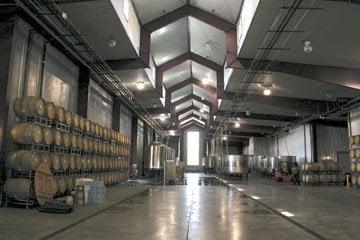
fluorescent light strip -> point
(255, 197)
(287, 214)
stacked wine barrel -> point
(323, 172)
(354, 142)
(73, 147)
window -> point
(126, 9)
(193, 148)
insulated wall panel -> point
(355, 121)
(331, 140)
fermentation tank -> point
(156, 156)
(273, 163)
(210, 162)
(235, 164)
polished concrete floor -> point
(204, 208)
(192, 211)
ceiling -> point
(190, 83)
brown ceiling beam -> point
(191, 97)
(301, 105)
(192, 108)
(185, 11)
(257, 116)
(345, 77)
(194, 81)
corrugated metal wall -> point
(331, 140)
(354, 121)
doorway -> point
(193, 148)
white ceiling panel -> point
(149, 10)
(207, 41)
(331, 31)
(177, 74)
(201, 105)
(201, 73)
(260, 108)
(97, 21)
(184, 115)
(183, 105)
(170, 41)
(225, 9)
(202, 93)
(131, 77)
(181, 93)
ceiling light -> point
(307, 47)
(208, 46)
(205, 81)
(202, 110)
(112, 42)
(240, 189)
(162, 118)
(202, 98)
(247, 112)
(287, 214)
(255, 197)
(172, 132)
(140, 85)
(64, 15)
(237, 124)
(267, 92)
(200, 118)
(224, 138)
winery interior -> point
(180, 119)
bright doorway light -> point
(267, 92)
(193, 148)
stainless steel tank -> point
(210, 162)
(273, 163)
(286, 162)
(156, 156)
(236, 164)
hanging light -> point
(202, 98)
(140, 85)
(112, 42)
(224, 138)
(307, 47)
(162, 117)
(237, 124)
(267, 92)
(172, 132)
(64, 15)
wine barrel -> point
(100, 131)
(60, 114)
(94, 163)
(354, 180)
(58, 137)
(84, 163)
(55, 161)
(68, 118)
(48, 135)
(72, 162)
(351, 140)
(96, 146)
(45, 158)
(97, 129)
(82, 123)
(87, 125)
(352, 153)
(89, 163)
(103, 163)
(69, 182)
(334, 178)
(62, 184)
(80, 142)
(91, 145)
(17, 106)
(357, 168)
(65, 161)
(74, 141)
(85, 144)
(27, 133)
(23, 160)
(66, 139)
(353, 167)
(19, 188)
(357, 139)
(29, 106)
(50, 110)
(55, 186)
(76, 120)
(92, 128)
(78, 160)
(357, 153)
